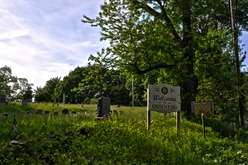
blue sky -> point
(40, 39)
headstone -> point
(14, 128)
(103, 107)
(55, 113)
(3, 99)
(29, 112)
(5, 114)
(26, 101)
(40, 112)
(65, 111)
(115, 113)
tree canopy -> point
(187, 43)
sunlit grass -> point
(123, 139)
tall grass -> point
(123, 139)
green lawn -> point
(123, 139)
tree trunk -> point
(189, 82)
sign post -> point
(63, 98)
(203, 124)
(178, 122)
(163, 98)
(202, 108)
(148, 111)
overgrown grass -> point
(80, 139)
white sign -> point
(164, 98)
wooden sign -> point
(205, 107)
(164, 98)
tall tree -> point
(148, 35)
(71, 82)
(5, 79)
(48, 92)
(25, 89)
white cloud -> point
(43, 39)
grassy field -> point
(43, 136)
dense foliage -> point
(185, 43)
(86, 83)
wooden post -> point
(63, 98)
(178, 122)
(148, 111)
(132, 92)
(203, 124)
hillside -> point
(54, 138)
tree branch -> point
(163, 15)
(151, 67)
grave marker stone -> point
(3, 99)
(26, 101)
(103, 107)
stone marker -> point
(15, 131)
(3, 99)
(103, 107)
(26, 101)
(65, 111)
(55, 113)
(40, 112)
(115, 113)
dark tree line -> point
(84, 84)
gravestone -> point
(55, 113)
(103, 107)
(3, 99)
(26, 101)
(65, 111)
(39, 112)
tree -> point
(71, 82)
(158, 34)
(24, 89)
(101, 79)
(40, 95)
(5, 80)
(48, 93)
